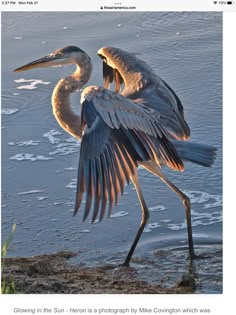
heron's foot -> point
(125, 264)
(195, 257)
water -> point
(39, 160)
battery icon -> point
(230, 2)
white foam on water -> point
(119, 214)
(151, 226)
(29, 192)
(50, 135)
(62, 147)
(146, 230)
(204, 197)
(65, 148)
(72, 185)
(9, 111)
(207, 201)
(25, 143)
(176, 226)
(29, 157)
(70, 168)
(58, 203)
(157, 208)
(201, 218)
(217, 203)
(33, 84)
(42, 198)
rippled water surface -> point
(39, 160)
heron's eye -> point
(57, 54)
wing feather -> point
(107, 191)
(97, 193)
(111, 149)
(89, 188)
(118, 81)
(114, 182)
(123, 164)
(116, 110)
(80, 186)
(103, 191)
(119, 182)
(120, 170)
(107, 75)
(141, 82)
(122, 120)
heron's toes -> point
(195, 257)
(125, 264)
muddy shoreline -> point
(51, 274)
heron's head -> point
(60, 57)
(109, 55)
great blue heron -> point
(144, 125)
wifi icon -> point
(215, 2)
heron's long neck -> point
(62, 110)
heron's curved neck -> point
(61, 105)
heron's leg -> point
(145, 216)
(153, 168)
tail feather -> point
(195, 152)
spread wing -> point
(117, 133)
(141, 83)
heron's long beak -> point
(45, 62)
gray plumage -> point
(143, 124)
(140, 82)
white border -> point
(218, 304)
(95, 5)
(229, 114)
